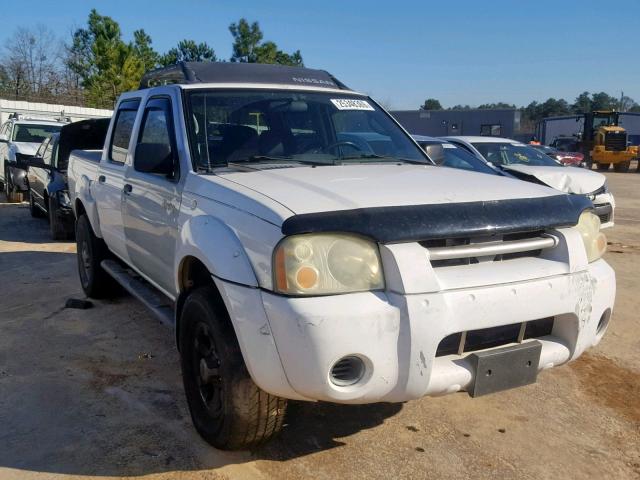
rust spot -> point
(609, 384)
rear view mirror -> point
(154, 158)
(4, 139)
(37, 162)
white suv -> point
(19, 140)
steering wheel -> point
(342, 143)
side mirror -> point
(154, 158)
(4, 139)
(37, 162)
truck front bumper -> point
(397, 336)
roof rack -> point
(233, 72)
(61, 117)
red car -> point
(573, 159)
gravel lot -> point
(97, 393)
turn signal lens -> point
(323, 264)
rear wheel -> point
(603, 166)
(91, 250)
(227, 408)
(622, 166)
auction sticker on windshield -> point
(351, 104)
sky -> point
(401, 52)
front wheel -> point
(13, 196)
(227, 408)
(91, 250)
(59, 231)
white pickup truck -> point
(304, 247)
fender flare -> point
(217, 246)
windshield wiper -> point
(283, 160)
(366, 156)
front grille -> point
(466, 251)
(615, 141)
(604, 218)
(474, 340)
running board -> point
(156, 302)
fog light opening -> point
(603, 323)
(347, 371)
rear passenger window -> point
(125, 117)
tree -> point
(496, 106)
(246, 39)
(188, 51)
(582, 103)
(431, 104)
(144, 51)
(248, 46)
(603, 101)
(106, 64)
(627, 104)
(30, 61)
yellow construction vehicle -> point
(604, 141)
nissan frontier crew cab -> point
(304, 247)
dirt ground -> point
(97, 393)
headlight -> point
(322, 264)
(595, 242)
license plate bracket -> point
(504, 368)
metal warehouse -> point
(496, 123)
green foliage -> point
(249, 48)
(106, 64)
(188, 51)
(144, 51)
(431, 104)
(496, 106)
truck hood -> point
(565, 179)
(331, 188)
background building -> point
(486, 122)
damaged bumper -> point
(397, 344)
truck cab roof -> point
(204, 74)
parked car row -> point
(47, 173)
(510, 158)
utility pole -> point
(621, 100)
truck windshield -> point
(32, 133)
(291, 127)
(514, 154)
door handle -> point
(127, 188)
(102, 179)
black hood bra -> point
(446, 220)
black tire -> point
(622, 166)
(227, 408)
(91, 250)
(603, 167)
(59, 231)
(13, 196)
(34, 210)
